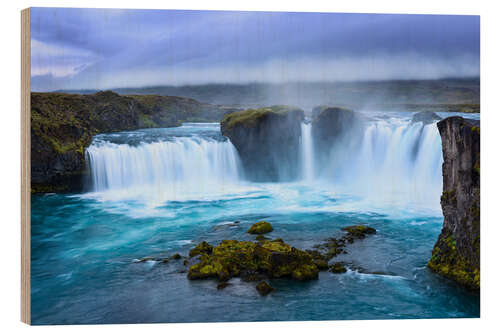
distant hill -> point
(308, 95)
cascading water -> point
(170, 169)
(307, 152)
(395, 161)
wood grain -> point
(25, 166)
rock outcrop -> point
(332, 123)
(261, 227)
(425, 117)
(457, 251)
(272, 259)
(267, 140)
(62, 127)
(334, 127)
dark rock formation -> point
(333, 127)
(62, 127)
(338, 268)
(335, 246)
(223, 285)
(456, 253)
(264, 288)
(425, 117)
(318, 109)
(333, 122)
(267, 140)
(260, 228)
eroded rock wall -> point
(456, 254)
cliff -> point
(333, 127)
(456, 254)
(62, 127)
(267, 140)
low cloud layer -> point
(101, 49)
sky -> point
(74, 48)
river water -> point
(156, 192)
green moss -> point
(260, 228)
(146, 121)
(321, 264)
(274, 259)
(201, 248)
(305, 273)
(447, 261)
(249, 118)
(449, 197)
(359, 231)
(477, 168)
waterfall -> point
(175, 167)
(307, 152)
(393, 161)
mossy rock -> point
(273, 259)
(176, 256)
(448, 262)
(264, 288)
(306, 272)
(321, 264)
(338, 268)
(251, 117)
(260, 228)
(359, 231)
(201, 248)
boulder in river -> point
(260, 228)
(359, 231)
(264, 288)
(338, 268)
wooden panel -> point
(25, 166)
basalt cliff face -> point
(62, 127)
(456, 253)
(267, 140)
(333, 127)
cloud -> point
(99, 49)
(59, 61)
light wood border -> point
(25, 166)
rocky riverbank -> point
(62, 127)
(456, 254)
